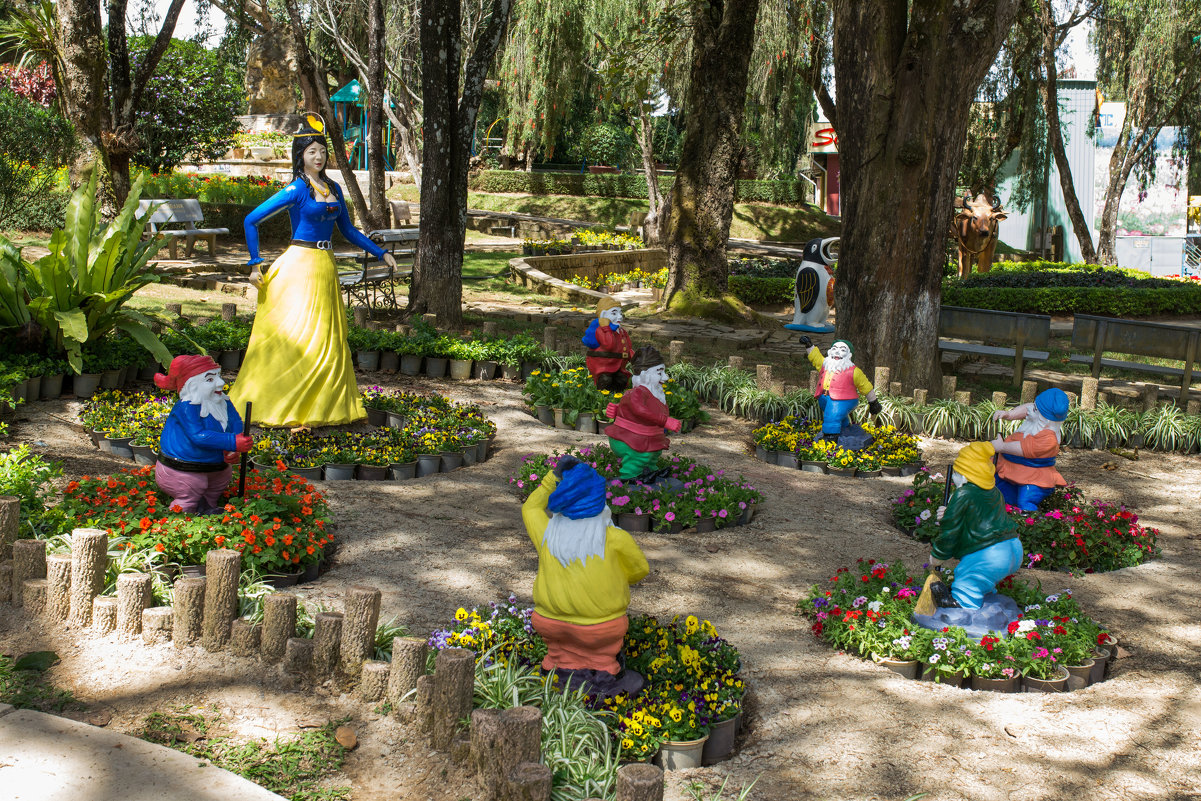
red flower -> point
(1013, 627)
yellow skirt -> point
(298, 368)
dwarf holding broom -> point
(973, 528)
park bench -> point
(374, 279)
(182, 211)
(1023, 330)
(1138, 338)
(402, 213)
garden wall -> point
(547, 274)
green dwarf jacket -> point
(975, 518)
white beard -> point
(833, 366)
(211, 405)
(568, 540)
(1035, 422)
(645, 379)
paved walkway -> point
(48, 758)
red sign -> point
(824, 137)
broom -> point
(925, 602)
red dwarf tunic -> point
(1042, 445)
(639, 421)
(610, 341)
(846, 385)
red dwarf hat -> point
(182, 368)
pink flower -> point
(670, 516)
(722, 513)
(637, 510)
(622, 501)
(533, 476)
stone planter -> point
(1057, 684)
(435, 367)
(527, 368)
(143, 454)
(33, 388)
(451, 462)
(811, 466)
(428, 464)
(367, 360)
(389, 361)
(307, 473)
(773, 457)
(868, 473)
(510, 372)
(86, 384)
(951, 680)
(761, 453)
(469, 455)
(481, 450)
(230, 359)
(681, 755)
(747, 515)
(372, 472)
(377, 417)
(634, 522)
(910, 469)
(908, 668)
(485, 371)
(1100, 661)
(403, 471)
(460, 369)
(52, 386)
(340, 471)
(147, 371)
(395, 420)
(1010, 685)
(585, 423)
(545, 415)
(841, 471)
(1080, 676)
(110, 379)
(720, 744)
(706, 525)
(788, 459)
(120, 447)
(559, 422)
(410, 365)
(891, 471)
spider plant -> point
(385, 633)
(945, 418)
(1164, 428)
(1192, 429)
(980, 424)
(557, 362)
(900, 412)
(501, 685)
(1114, 425)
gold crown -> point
(313, 125)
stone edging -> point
(535, 272)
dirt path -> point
(822, 724)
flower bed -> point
(708, 495)
(892, 452)
(692, 674)
(574, 392)
(280, 526)
(867, 610)
(633, 279)
(1065, 533)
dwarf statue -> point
(1026, 471)
(839, 385)
(975, 529)
(637, 431)
(609, 347)
(585, 568)
(201, 438)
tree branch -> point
(155, 54)
(477, 68)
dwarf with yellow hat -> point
(609, 347)
(974, 528)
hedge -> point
(755, 291)
(42, 212)
(1108, 302)
(622, 185)
(1095, 277)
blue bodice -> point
(313, 220)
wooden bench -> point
(1023, 330)
(1138, 338)
(374, 278)
(401, 213)
(186, 212)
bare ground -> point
(822, 724)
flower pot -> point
(706, 525)
(86, 384)
(469, 456)
(435, 367)
(685, 426)
(747, 514)
(367, 360)
(481, 450)
(389, 361)
(311, 572)
(259, 464)
(428, 464)
(1080, 676)
(908, 668)
(1052, 685)
(788, 459)
(410, 365)
(912, 468)
(110, 379)
(281, 580)
(585, 423)
(33, 388)
(841, 471)
(460, 369)
(1010, 685)
(339, 471)
(485, 371)
(559, 419)
(634, 522)
(510, 372)
(545, 415)
(403, 471)
(97, 437)
(52, 386)
(119, 446)
(761, 453)
(125, 375)
(307, 473)
(192, 571)
(377, 417)
(673, 527)
(395, 420)
(230, 359)
(451, 462)
(103, 443)
(527, 368)
(953, 680)
(1100, 662)
(19, 392)
(868, 473)
(720, 744)
(773, 457)
(657, 293)
(146, 371)
(680, 755)
(372, 472)
(811, 466)
(143, 454)
(891, 471)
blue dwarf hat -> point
(1052, 404)
(580, 493)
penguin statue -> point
(811, 306)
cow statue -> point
(811, 304)
(975, 229)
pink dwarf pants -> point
(193, 491)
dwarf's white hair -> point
(194, 390)
(832, 365)
(650, 379)
(568, 540)
(1035, 422)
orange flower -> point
(159, 547)
(284, 555)
(220, 540)
(310, 550)
(144, 522)
(269, 540)
(287, 539)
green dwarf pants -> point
(633, 463)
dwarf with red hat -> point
(641, 418)
(201, 438)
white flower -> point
(885, 589)
(1032, 607)
(933, 658)
(925, 515)
(875, 605)
(1026, 625)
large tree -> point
(906, 74)
(702, 198)
(451, 92)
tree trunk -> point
(271, 75)
(702, 199)
(377, 215)
(653, 195)
(1055, 139)
(80, 41)
(449, 122)
(906, 79)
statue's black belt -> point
(605, 354)
(324, 244)
(192, 467)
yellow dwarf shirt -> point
(596, 591)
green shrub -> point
(755, 291)
(622, 185)
(1106, 301)
(763, 267)
(1038, 265)
(1089, 277)
(606, 143)
(34, 143)
(44, 211)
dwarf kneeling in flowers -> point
(201, 438)
(585, 568)
(637, 433)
